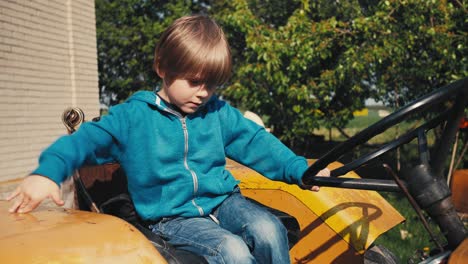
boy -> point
(173, 145)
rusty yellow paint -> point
(56, 235)
(337, 225)
(460, 255)
(459, 187)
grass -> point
(409, 239)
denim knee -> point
(266, 233)
(233, 249)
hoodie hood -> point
(144, 96)
(153, 99)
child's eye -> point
(195, 82)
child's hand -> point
(323, 173)
(32, 191)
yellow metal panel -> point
(318, 243)
(357, 216)
(55, 235)
(459, 188)
(460, 255)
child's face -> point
(187, 95)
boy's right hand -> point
(32, 191)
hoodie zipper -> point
(194, 175)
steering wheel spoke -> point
(424, 180)
(419, 132)
(452, 91)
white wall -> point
(48, 62)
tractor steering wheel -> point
(456, 92)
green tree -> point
(296, 73)
(420, 46)
(317, 66)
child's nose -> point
(203, 91)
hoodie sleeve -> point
(70, 152)
(251, 145)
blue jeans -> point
(246, 233)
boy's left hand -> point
(323, 173)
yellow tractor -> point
(339, 224)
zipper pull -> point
(214, 218)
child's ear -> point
(159, 72)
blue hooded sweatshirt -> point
(175, 164)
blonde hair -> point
(194, 47)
